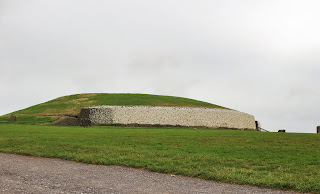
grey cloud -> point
(259, 57)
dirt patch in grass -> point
(86, 95)
(78, 101)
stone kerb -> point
(166, 116)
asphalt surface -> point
(26, 174)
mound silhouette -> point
(72, 104)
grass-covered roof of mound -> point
(71, 105)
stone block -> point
(84, 119)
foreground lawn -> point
(273, 160)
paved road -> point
(25, 174)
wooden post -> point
(318, 129)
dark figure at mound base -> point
(13, 118)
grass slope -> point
(71, 105)
(273, 160)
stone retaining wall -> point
(166, 116)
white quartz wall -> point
(144, 115)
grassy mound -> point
(71, 105)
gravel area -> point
(26, 174)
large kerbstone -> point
(85, 117)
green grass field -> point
(272, 160)
(30, 119)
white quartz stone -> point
(148, 115)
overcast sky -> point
(261, 57)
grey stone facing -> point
(166, 116)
